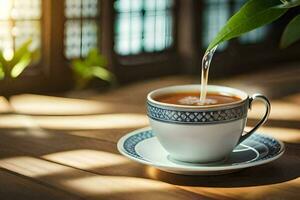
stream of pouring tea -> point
(206, 60)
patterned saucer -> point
(142, 146)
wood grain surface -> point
(65, 148)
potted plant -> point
(93, 66)
(12, 66)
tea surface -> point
(192, 98)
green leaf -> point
(19, 53)
(101, 73)
(2, 59)
(81, 69)
(253, 14)
(21, 65)
(289, 3)
(82, 74)
(93, 66)
(291, 33)
(2, 73)
(94, 58)
(3, 63)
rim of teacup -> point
(196, 87)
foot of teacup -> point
(182, 162)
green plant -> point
(256, 13)
(12, 68)
(91, 67)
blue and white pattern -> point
(221, 115)
(131, 142)
(274, 147)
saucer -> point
(142, 146)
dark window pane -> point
(73, 8)
(90, 8)
(143, 26)
(72, 39)
(215, 15)
(81, 29)
(89, 36)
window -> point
(143, 26)
(215, 15)
(19, 21)
(81, 27)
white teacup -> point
(201, 134)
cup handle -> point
(264, 99)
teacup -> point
(202, 134)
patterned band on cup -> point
(167, 114)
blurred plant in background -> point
(11, 67)
(94, 66)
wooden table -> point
(65, 148)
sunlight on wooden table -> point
(114, 184)
(4, 105)
(86, 184)
(31, 167)
(89, 122)
(86, 158)
(50, 105)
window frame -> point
(134, 67)
(34, 77)
(46, 76)
(96, 18)
(144, 53)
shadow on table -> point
(284, 169)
